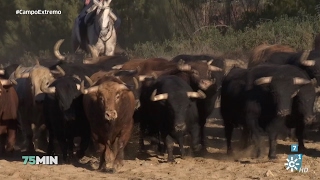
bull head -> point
(6, 82)
(304, 57)
(164, 96)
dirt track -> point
(215, 165)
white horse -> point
(100, 37)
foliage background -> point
(153, 28)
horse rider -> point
(87, 4)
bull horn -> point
(119, 66)
(89, 90)
(308, 62)
(158, 97)
(62, 72)
(56, 50)
(89, 80)
(300, 81)
(48, 90)
(6, 82)
(77, 77)
(200, 94)
(136, 83)
(123, 87)
(263, 80)
(144, 77)
(37, 62)
(2, 72)
(304, 55)
(20, 75)
(214, 68)
(78, 86)
(209, 62)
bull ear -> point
(158, 97)
(2, 71)
(300, 81)
(199, 94)
(263, 80)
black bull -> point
(65, 117)
(265, 98)
(169, 110)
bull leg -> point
(28, 136)
(85, 142)
(102, 164)
(182, 150)
(299, 135)
(11, 136)
(2, 140)
(228, 130)
(196, 141)
(272, 131)
(254, 128)
(245, 137)
(109, 157)
(64, 148)
(169, 144)
(50, 149)
(141, 136)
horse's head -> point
(103, 11)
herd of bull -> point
(100, 102)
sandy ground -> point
(214, 165)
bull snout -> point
(180, 127)
(39, 98)
(111, 115)
(284, 112)
(204, 84)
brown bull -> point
(262, 52)
(8, 115)
(146, 66)
(109, 106)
